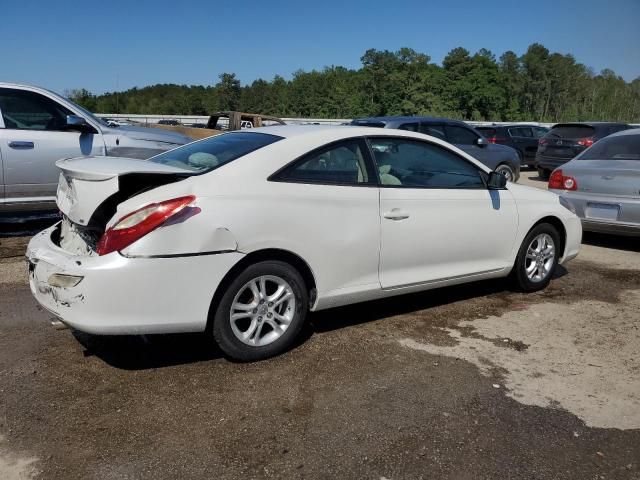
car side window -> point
(434, 130)
(522, 132)
(539, 132)
(25, 110)
(408, 163)
(461, 135)
(337, 164)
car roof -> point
(510, 125)
(631, 131)
(291, 131)
(404, 119)
(587, 124)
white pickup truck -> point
(39, 127)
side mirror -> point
(78, 123)
(496, 181)
(482, 142)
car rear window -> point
(572, 131)
(622, 147)
(358, 123)
(486, 131)
(213, 152)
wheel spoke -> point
(281, 318)
(239, 315)
(245, 306)
(263, 288)
(277, 327)
(256, 334)
(284, 298)
(248, 333)
(255, 290)
(277, 294)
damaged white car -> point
(240, 235)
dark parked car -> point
(165, 121)
(566, 140)
(500, 158)
(524, 138)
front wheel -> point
(537, 258)
(261, 312)
(507, 171)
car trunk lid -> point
(566, 140)
(606, 177)
(90, 189)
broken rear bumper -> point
(121, 295)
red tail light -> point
(586, 142)
(137, 224)
(543, 141)
(496, 139)
(559, 181)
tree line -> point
(536, 86)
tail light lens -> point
(137, 224)
(543, 141)
(586, 142)
(560, 181)
(496, 139)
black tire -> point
(223, 333)
(543, 174)
(507, 171)
(519, 275)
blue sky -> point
(114, 43)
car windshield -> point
(622, 147)
(366, 123)
(486, 131)
(213, 152)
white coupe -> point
(241, 234)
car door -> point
(330, 210)
(34, 136)
(438, 219)
(525, 141)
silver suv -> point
(38, 127)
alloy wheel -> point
(262, 310)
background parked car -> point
(38, 127)
(500, 158)
(166, 121)
(602, 184)
(523, 138)
(566, 140)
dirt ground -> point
(469, 382)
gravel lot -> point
(461, 383)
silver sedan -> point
(602, 184)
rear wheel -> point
(507, 171)
(543, 174)
(261, 312)
(537, 258)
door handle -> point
(396, 214)
(21, 144)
